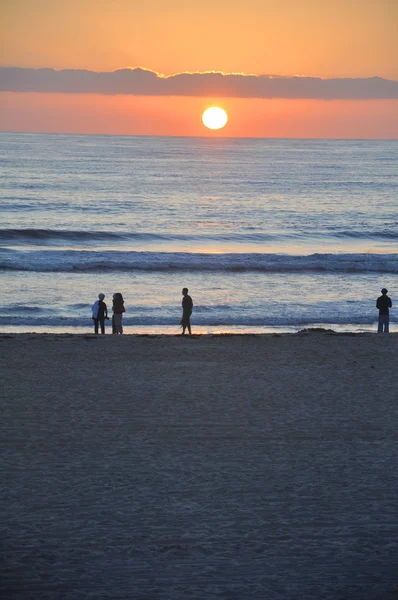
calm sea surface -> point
(268, 235)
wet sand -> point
(235, 467)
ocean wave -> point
(58, 236)
(42, 236)
(385, 234)
(79, 305)
(23, 309)
(85, 261)
(39, 235)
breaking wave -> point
(96, 261)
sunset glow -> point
(325, 71)
(144, 115)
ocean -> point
(269, 235)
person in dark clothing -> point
(384, 304)
(187, 306)
(100, 313)
(118, 310)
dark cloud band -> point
(141, 82)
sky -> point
(300, 69)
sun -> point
(214, 117)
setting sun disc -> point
(214, 118)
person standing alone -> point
(384, 304)
(100, 313)
(187, 306)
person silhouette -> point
(99, 313)
(118, 310)
(384, 303)
(187, 306)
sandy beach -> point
(240, 467)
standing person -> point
(100, 313)
(187, 306)
(384, 304)
(118, 310)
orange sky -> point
(89, 113)
(343, 38)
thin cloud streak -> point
(142, 82)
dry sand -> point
(216, 467)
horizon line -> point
(205, 137)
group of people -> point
(100, 312)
